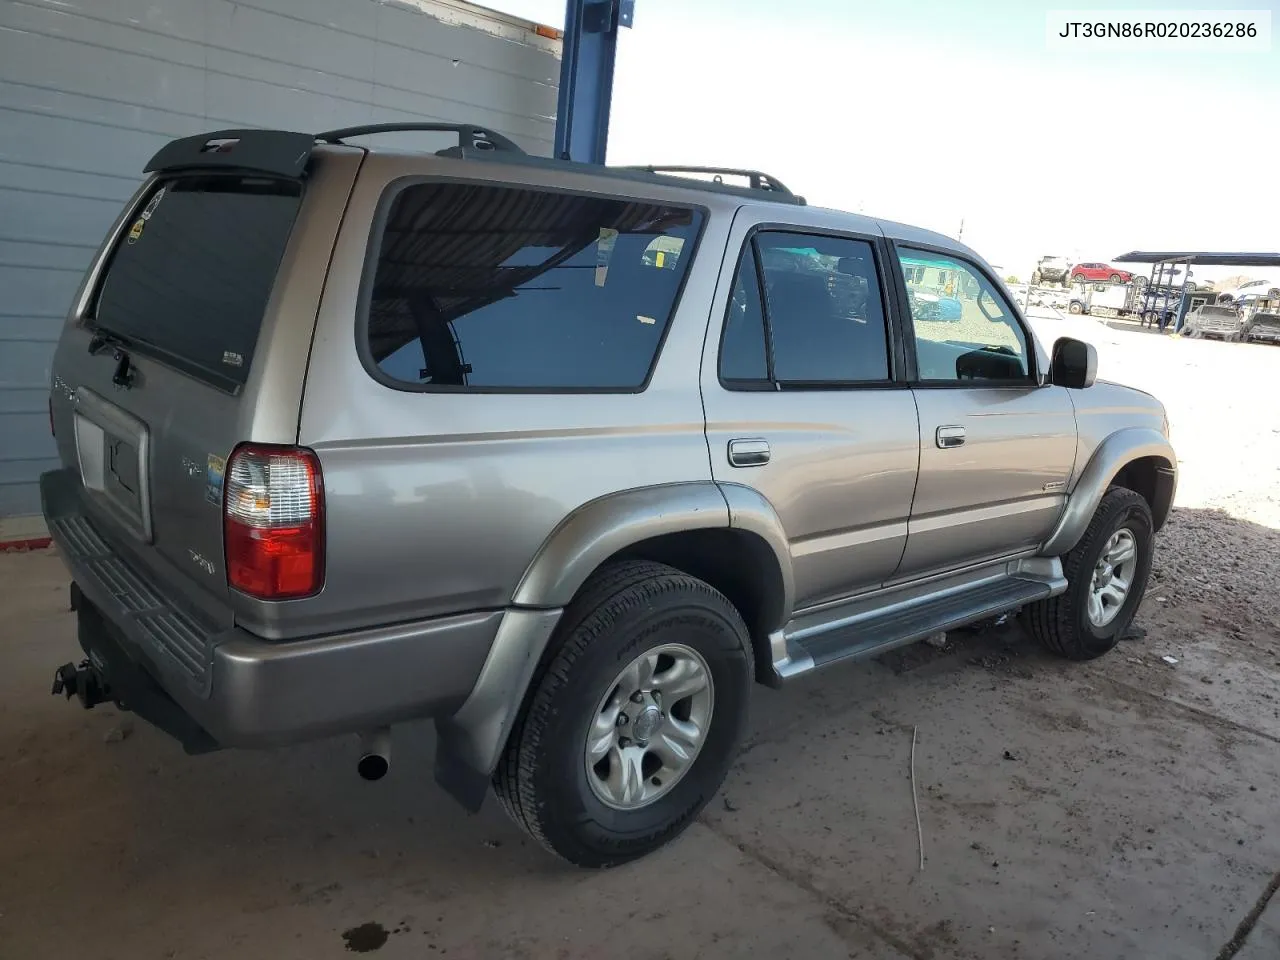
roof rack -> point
(287, 153)
(755, 178)
(469, 135)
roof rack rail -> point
(470, 136)
(755, 178)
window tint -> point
(508, 288)
(193, 272)
(964, 328)
(742, 352)
(825, 314)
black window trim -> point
(889, 307)
(373, 250)
(1032, 379)
(88, 318)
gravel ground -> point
(1122, 808)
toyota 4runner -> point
(561, 456)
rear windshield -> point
(191, 276)
(504, 288)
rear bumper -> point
(244, 691)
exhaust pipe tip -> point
(375, 754)
(373, 766)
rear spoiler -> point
(286, 154)
(265, 151)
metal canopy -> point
(1202, 257)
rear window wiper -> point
(101, 339)
(123, 375)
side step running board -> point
(888, 625)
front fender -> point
(1111, 456)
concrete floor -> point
(1123, 808)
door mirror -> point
(1075, 364)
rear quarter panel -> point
(438, 502)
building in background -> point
(89, 91)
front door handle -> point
(950, 436)
(749, 453)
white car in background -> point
(1264, 287)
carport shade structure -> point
(1162, 258)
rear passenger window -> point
(822, 319)
(743, 357)
(480, 286)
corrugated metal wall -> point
(90, 88)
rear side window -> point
(504, 288)
(192, 274)
(817, 320)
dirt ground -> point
(1123, 808)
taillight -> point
(273, 522)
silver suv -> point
(564, 457)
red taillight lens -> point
(273, 522)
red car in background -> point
(1099, 273)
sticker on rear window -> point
(232, 359)
(135, 231)
(216, 470)
(604, 253)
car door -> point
(996, 446)
(803, 403)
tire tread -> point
(1052, 621)
(605, 597)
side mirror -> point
(1074, 364)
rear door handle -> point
(749, 453)
(950, 436)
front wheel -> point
(1107, 573)
(633, 723)
(1114, 278)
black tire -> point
(1114, 278)
(623, 610)
(1062, 623)
(1075, 307)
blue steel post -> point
(586, 76)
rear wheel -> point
(1107, 573)
(632, 726)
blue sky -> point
(930, 111)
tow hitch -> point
(83, 681)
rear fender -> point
(470, 743)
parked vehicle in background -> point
(560, 456)
(1051, 270)
(1263, 327)
(1099, 272)
(1217, 321)
(1264, 287)
(1115, 299)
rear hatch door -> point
(188, 346)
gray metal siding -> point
(90, 88)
